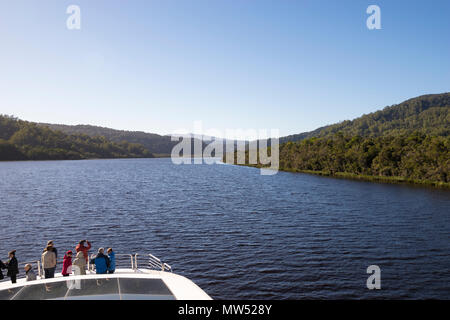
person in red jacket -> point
(81, 247)
(67, 264)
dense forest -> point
(408, 142)
(414, 157)
(427, 114)
(156, 144)
(160, 146)
(22, 140)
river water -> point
(234, 232)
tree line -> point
(416, 156)
(427, 114)
(22, 140)
(408, 142)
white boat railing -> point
(151, 262)
(124, 261)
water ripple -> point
(237, 234)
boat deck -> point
(125, 284)
(153, 281)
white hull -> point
(168, 286)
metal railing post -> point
(39, 268)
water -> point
(235, 233)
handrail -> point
(39, 268)
(127, 255)
(152, 263)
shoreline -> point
(368, 178)
(40, 160)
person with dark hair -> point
(67, 264)
(112, 260)
(2, 266)
(13, 266)
(81, 247)
(101, 262)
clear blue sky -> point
(160, 65)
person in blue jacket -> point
(112, 260)
(101, 262)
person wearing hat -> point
(51, 244)
(67, 264)
(13, 266)
(49, 262)
(29, 272)
(101, 262)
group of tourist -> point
(103, 263)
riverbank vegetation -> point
(408, 142)
(409, 158)
(413, 158)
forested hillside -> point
(156, 144)
(408, 142)
(22, 140)
(414, 157)
(428, 114)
